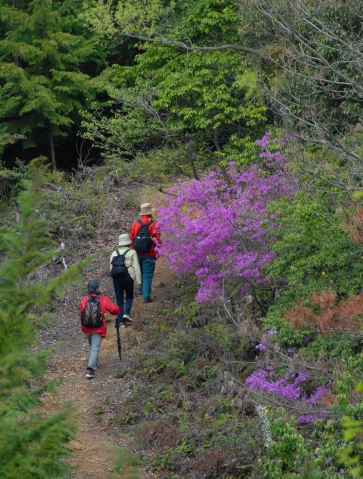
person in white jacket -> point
(124, 285)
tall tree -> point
(46, 57)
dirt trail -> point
(98, 400)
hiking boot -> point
(147, 300)
(120, 324)
(90, 373)
(127, 318)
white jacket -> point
(131, 261)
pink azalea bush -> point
(217, 229)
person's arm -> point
(136, 266)
(82, 305)
(111, 257)
(109, 306)
(134, 229)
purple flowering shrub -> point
(217, 229)
(294, 388)
(290, 389)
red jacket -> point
(106, 305)
(154, 233)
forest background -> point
(248, 116)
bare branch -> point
(159, 39)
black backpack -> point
(91, 316)
(118, 264)
(142, 241)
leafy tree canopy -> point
(46, 56)
(170, 97)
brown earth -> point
(98, 401)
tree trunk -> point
(52, 151)
(16, 57)
(218, 148)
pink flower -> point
(261, 347)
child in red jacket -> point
(94, 335)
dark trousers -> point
(124, 292)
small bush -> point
(73, 209)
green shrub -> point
(313, 251)
(73, 208)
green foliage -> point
(161, 165)
(31, 446)
(313, 252)
(308, 342)
(45, 53)
(350, 405)
(11, 183)
(318, 450)
(73, 208)
(207, 21)
(289, 455)
(205, 105)
(127, 464)
(349, 397)
(166, 163)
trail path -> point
(98, 401)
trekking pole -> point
(118, 339)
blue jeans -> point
(147, 266)
(94, 345)
(123, 286)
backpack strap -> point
(119, 254)
(123, 254)
(144, 224)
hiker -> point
(123, 282)
(145, 236)
(95, 333)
